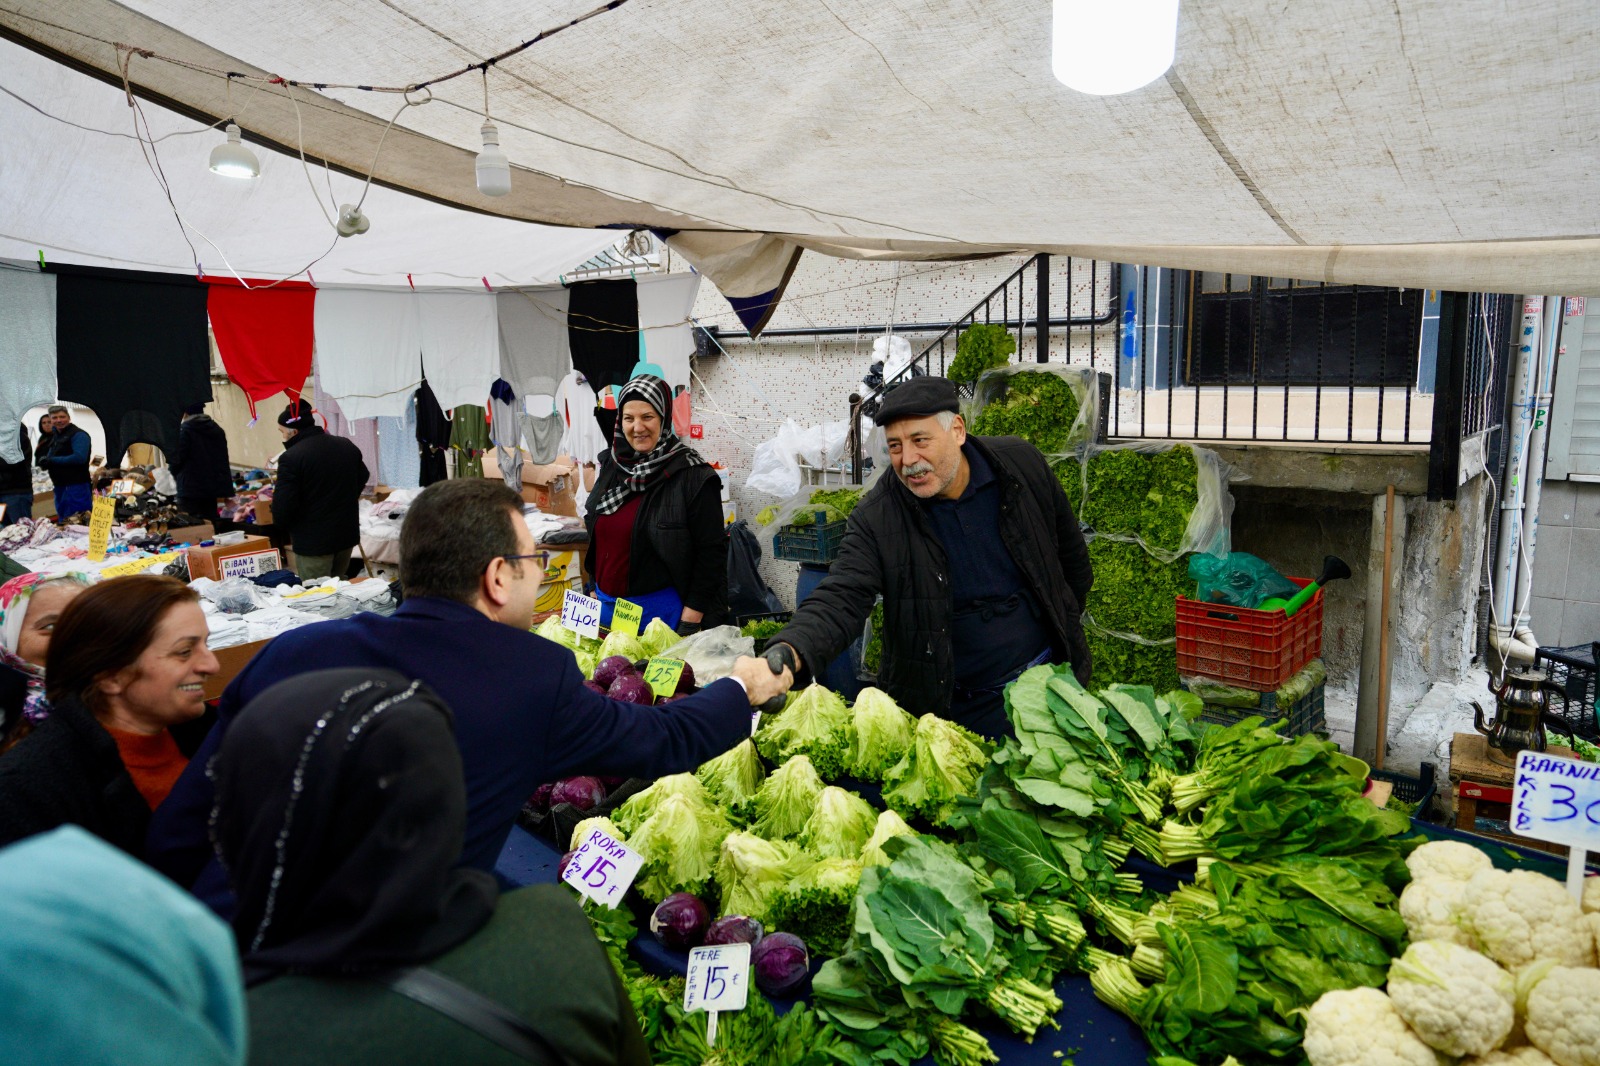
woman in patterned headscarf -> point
(656, 534)
(29, 607)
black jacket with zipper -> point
(317, 498)
(679, 540)
(200, 463)
(891, 549)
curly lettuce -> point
(750, 870)
(840, 825)
(816, 724)
(733, 777)
(889, 824)
(785, 800)
(942, 766)
(818, 905)
(680, 843)
(641, 805)
(881, 735)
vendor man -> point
(980, 561)
(64, 455)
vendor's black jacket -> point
(679, 539)
(320, 478)
(64, 454)
(18, 476)
(889, 548)
(200, 462)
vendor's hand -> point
(760, 683)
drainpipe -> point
(1502, 631)
(1544, 385)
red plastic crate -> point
(1251, 649)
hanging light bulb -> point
(494, 169)
(232, 159)
(1105, 48)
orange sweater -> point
(153, 761)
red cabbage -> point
(734, 929)
(584, 793)
(540, 800)
(781, 963)
(611, 782)
(631, 688)
(611, 668)
(685, 680)
(593, 687)
(680, 921)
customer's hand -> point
(760, 683)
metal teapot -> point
(1521, 703)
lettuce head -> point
(889, 824)
(623, 644)
(819, 905)
(750, 870)
(581, 831)
(680, 843)
(840, 825)
(817, 724)
(657, 638)
(785, 800)
(733, 777)
(880, 735)
(641, 805)
(943, 765)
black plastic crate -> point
(1306, 715)
(1408, 789)
(1573, 670)
(769, 616)
(816, 543)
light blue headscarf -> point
(103, 961)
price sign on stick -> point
(100, 519)
(625, 618)
(1558, 799)
(602, 868)
(662, 676)
(718, 980)
(581, 613)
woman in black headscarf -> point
(340, 815)
(656, 535)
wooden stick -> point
(1383, 631)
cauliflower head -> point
(1360, 1027)
(1447, 858)
(1435, 908)
(1522, 1056)
(1562, 1019)
(1591, 895)
(1520, 916)
(1453, 998)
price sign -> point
(122, 487)
(662, 676)
(581, 613)
(1558, 800)
(100, 519)
(602, 868)
(718, 980)
(625, 618)
(138, 566)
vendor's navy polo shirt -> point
(995, 626)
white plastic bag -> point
(711, 652)
(166, 484)
(775, 470)
(895, 353)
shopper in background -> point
(16, 482)
(127, 663)
(340, 816)
(656, 533)
(317, 499)
(523, 716)
(200, 464)
(64, 455)
(980, 561)
(107, 963)
(30, 606)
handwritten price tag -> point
(602, 868)
(581, 613)
(662, 676)
(100, 519)
(625, 618)
(718, 980)
(138, 566)
(1557, 799)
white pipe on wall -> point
(1512, 497)
(1539, 418)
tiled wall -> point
(1566, 565)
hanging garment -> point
(433, 436)
(506, 431)
(460, 345)
(682, 415)
(665, 303)
(27, 351)
(399, 464)
(264, 334)
(535, 353)
(544, 434)
(363, 432)
(469, 436)
(369, 349)
(132, 346)
(603, 328)
(582, 438)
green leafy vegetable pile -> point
(983, 346)
(1038, 406)
(1154, 665)
(1134, 592)
(1146, 494)
(872, 652)
(1069, 472)
(762, 628)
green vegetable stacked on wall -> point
(1038, 406)
(982, 347)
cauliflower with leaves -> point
(840, 826)
(750, 870)
(1436, 909)
(1520, 916)
(785, 800)
(942, 766)
(1563, 1019)
(881, 733)
(1455, 999)
(1360, 1027)
(1448, 859)
(818, 905)
(815, 724)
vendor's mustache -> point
(916, 470)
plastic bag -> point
(236, 595)
(747, 592)
(1238, 579)
(1170, 498)
(711, 652)
(1221, 694)
(775, 469)
(1053, 406)
(166, 484)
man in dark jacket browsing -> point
(64, 455)
(979, 559)
(317, 499)
(200, 464)
(522, 714)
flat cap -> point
(918, 398)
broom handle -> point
(1383, 631)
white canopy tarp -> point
(1411, 142)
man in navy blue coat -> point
(523, 716)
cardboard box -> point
(192, 534)
(230, 661)
(207, 562)
(263, 510)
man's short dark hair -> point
(452, 531)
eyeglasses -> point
(542, 557)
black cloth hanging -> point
(132, 346)
(603, 330)
(433, 437)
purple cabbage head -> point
(781, 963)
(540, 800)
(611, 668)
(631, 688)
(734, 929)
(680, 921)
(685, 680)
(584, 793)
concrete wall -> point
(1566, 565)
